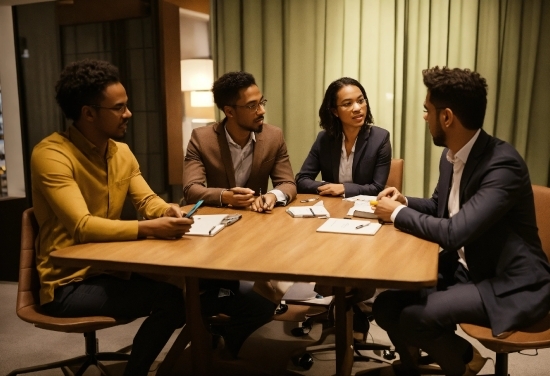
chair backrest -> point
(29, 283)
(542, 210)
(395, 179)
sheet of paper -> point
(207, 224)
(300, 291)
(349, 226)
(360, 198)
(361, 206)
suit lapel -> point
(446, 182)
(257, 156)
(335, 153)
(472, 162)
(360, 148)
(225, 153)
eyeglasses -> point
(119, 108)
(425, 110)
(348, 106)
(252, 107)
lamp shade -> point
(197, 74)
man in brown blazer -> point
(230, 163)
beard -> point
(255, 126)
(439, 137)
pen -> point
(363, 225)
(212, 229)
(310, 199)
(312, 212)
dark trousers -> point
(427, 319)
(248, 310)
(106, 295)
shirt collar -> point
(230, 140)
(464, 152)
(344, 143)
(84, 145)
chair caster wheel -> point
(388, 354)
(305, 361)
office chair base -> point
(92, 357)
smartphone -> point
(194, 209)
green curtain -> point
(295, 48)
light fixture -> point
(197, 76)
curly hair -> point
(461, 90)
(226, 88)
(82, 83)
(330, 122)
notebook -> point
(316, 211)
(207, 224)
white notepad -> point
(308, 211)
(207, 224)
(349, 226)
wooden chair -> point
(28, 309)
(395, 179)
(535, 336)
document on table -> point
(308, 211)
(207, 224)
(349, 226)
(362, 209)
(364, 198)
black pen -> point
(262, 196)
(363, 225)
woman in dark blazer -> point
(351, 153)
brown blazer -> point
(208, 168)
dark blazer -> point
(371, 163)
(496, 225)
(208, 168)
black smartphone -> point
(194, 209)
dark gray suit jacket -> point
(496, 225)
(371, 163)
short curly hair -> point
(461, 90)
(82, 83)
(226, 88)
(330, 122)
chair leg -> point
(63, 363)
(92, 357)
(501, 364)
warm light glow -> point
(197, 74)
(202, 99)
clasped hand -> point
(388, 200)
(244, 197)
(331, 189)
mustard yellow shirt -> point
(78, 195)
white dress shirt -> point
(345, 174)
(242, 163)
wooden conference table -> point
(273, 246)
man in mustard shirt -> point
(80, 179)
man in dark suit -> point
(230, 163)
(492, 269)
